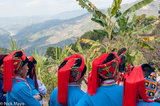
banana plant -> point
(103, 19)
(90, 54)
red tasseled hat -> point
(134, 85)
(64, 76)
(32, 70)
(93, 79)
(12, 62)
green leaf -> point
(99, 21)
(115, 7)
(79, 47)
(145, 29)
(145, 45)
(137, 6)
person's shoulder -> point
(55, 90)
(20, 86)
(30, 80)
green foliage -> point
(47, 67)
(45, 72)
(137, 6)
(13, 44)
(4, 51)
(130, 58)
(101, 18)
(73, 46)
(93, 35)
(53, 52)
(115, 7)
(149, 20)
(145, 45)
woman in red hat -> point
(37, 86)
(102, 87)
(15, 67)
(140, 86)
(70, 73)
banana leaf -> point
(137, 6)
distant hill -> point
(14, 24)
(57, 32)
(4, 38)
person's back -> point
(102, 87)
(105, 96)
(21, 94)
(70, 74)
(140, 81)
(74, 95)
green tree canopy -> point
(53, 52)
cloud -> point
(33, 3)
(2, 4)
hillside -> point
(55, 32)
(4, 38)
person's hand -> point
(37, 96)
(4, 94)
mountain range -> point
(62, 31)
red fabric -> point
(134, 85)
(11, 64)
(93, 79)
(31, 58)
(129, 67)
(63, 80)
(121, 77)
(8, 68)
(77, 56)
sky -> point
(11, 8)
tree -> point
(106, 20)
(53, 52)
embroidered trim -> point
(109, 83)
(17, 77)
(72, 84)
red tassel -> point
(63, 80)
(134, 86)
(93, 80)
(7, 72)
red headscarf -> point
(12, 62)
(64, 76)
(134, 85)
(93, 79)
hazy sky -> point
(41, 7)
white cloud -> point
(33, 3)
(2, 4)
(40, 7)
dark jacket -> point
(122, 63)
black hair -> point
(151, 63)
(20, 54)
(120, 51)
(147, 69)
(76, 64)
